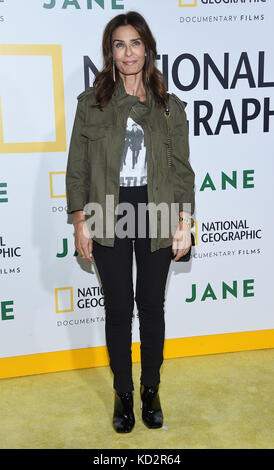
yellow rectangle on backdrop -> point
(55, 51)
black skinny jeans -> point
(114, 265)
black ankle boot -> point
(151, 408)
(123, 416)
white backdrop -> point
(219, 59)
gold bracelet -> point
(78, 221)
(188, 221)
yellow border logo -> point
(56, 299)
(196, 232)
(51, 173)
(192, 4)
(59, 145)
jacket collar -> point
(120, 96)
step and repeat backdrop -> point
(218, 58)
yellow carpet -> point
(220, 401)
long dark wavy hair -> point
(104, 85)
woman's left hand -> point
(181, 241)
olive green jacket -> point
(96, 149)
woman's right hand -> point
(83, 242)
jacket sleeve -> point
(77, 178)
(184, 175)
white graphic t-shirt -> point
(133, 170)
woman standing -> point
(129, 91)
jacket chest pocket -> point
(97, 138)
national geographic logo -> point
(228, 230)
(41, 64)
(212, 233)
(194, 3)
(64, 299)
(86, 298)
(9, 253)
(57, 184)
(215, 16)
(187, 3)
(57, 191)
(90, 297)
(84, 4)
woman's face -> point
(128, 50)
